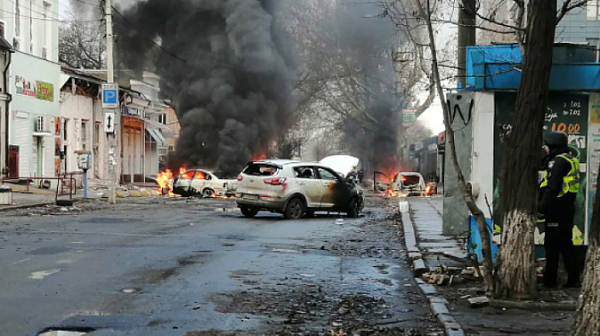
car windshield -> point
(261, 169)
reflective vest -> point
(571, 180)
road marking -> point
(66, 261)
(20, 261)
(43, 274)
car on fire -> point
(200, 182)
(409, 184)
(296, 189)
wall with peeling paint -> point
(455, 211)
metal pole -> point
(110, 78)
(85, 195)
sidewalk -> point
(436, 248)
(500, 318)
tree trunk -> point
(515, 277)
(466, 36)
(587, 318)
(451, 148)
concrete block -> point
(135, 193)
(419, 267)
(438, 299)
(446, 318)
(439, 308)
(454, 329)
(478, 302)
(122, 194)
(145, 193)
(428, 289)
(414, 256)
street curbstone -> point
(437, 304)
(454, 329)
(438, 308)
(428, 289)
(145, 193)
(122, 194)
(438, 299)
(414, 256)
(419, 267)
(446, 319)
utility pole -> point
(110, 78)
(466, 36)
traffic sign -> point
(110, 96)
(409, 117)
(109, 122)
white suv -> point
(295, 189)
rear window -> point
(410, 180)
(261, 170)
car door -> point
(309, 184)
(199, 182)
(184, 181)
(332, 187)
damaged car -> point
(408, 184)
(200, 182)
(296, 189)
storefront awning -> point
(157, 136)
(165, 130)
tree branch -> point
(568, 6)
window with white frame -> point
(17, 18)
(47, 37)
(84, 134)
(32, 27)
(162, 118)
(592, 10)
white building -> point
(82, 118)
(34, 122)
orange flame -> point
(162, 179)
(259, 157)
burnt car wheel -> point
(295, 209)
(206, 193)
(353, 209)
(249, 212)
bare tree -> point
(81, 43)
(515, 272)
(587, 318)
(347, 78)
(518, 201)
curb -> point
(437, 303)
(25, 206)
(535, 306)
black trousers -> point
(559, 241)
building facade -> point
(34, 124)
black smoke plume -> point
(224, 65)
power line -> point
(44, 19)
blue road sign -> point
(110, 95)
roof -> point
(279, 162)
(4, 44)
(123, 77)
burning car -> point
(408, 184)
(296, 189)
(197, 182)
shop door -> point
(13, 162)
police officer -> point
(558, 191)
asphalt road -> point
(196, 268)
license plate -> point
(250, 197)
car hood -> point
(342, 164)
